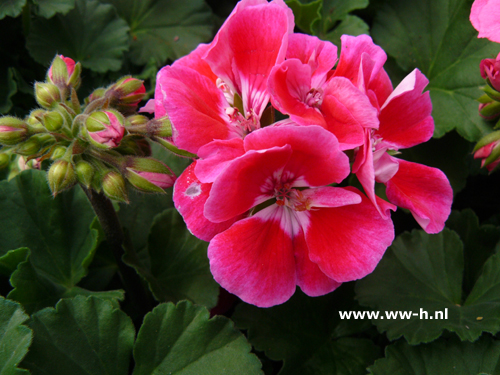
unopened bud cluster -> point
(101, 144)
(488, 148)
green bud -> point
(95, 122)
(61, 176)
(58, 152)
(160, 127)
(171, 147)
(29, 147)
(47, 94)
(53, 121)
(134, 145)
(114, 186)
(12, 131)
(84, 173)
(35, 119)
(4, 161)
(148, 174)
(74, 79)
(96, 94)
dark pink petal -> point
(347, 111)
(485, 16)
(423, 190)
(316, 158)
(246, 182)
(196, 107)
(194, 61)
(354, 49)
(254, 259)
(251, 41)
(321, 56)
(190, 196)
(328, 196)
(381, 86)
(405, 118)
(348, 242)
(310, 278)
(215, 156)
(289, 85)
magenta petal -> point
(215, 156)
(254, 259)
(190, 196)
(245, 183)
(405, 118)
(423, 190)
(196, 107)
(320, 55)
(329, 196)
(249, 44)
(348, 242)
(310, 278)
(316, 157)
(195, 61)
(289, 84)
(485, 16)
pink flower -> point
(288, 227)
(490, 155)
(219, 91)
(490, 69)
(70, 67)
(105, 128)
(485, 17)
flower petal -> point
(423, 190)
(190, 196)
(348, 242)
(215, 156)
(194, 60)
(254, 259)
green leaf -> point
(8, 89)
(306, 15)
(308, 335)
(175, 264)
(165, 29)
(15, 338)
(12, 8)
(445, 356)
(11, 259)
(181, 339)
(437, 37)
(479, 243)
(56, 230)
(450, 154)
(337, 10)
(91, 33)
(82, 335)
(351, 25)
(48, 8)
(422, 272)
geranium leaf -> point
(10, 260)
(48, 8)
(306, 15)
(423, 273)
(445, 356)
(15, 338)
(175, 263)
(308, 335)
(11, 8)
(181, 339)
(165, 29)
(91, 33)
(337, 10)
(437, 37)
(351, 25)
(81, 336)
(8, 88)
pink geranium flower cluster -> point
(266, 195)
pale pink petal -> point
(195, 106)
(194, 61)
(405, 118)
(254, 259)
(245, 183)
(316, 158)
(310, 278)
(248, 45)
(384, 165)
(329, 196)
(348, 242)
(190, 196)
(485, 17)
(215, 156)
(354, 49)
(320, 55)
(149, 107)
(289, 84)
(423, 190)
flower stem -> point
(112, 229)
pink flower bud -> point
(64, 72)
(488, 149)
(105, 128)
(148, 174)
(489, 111)
(490, 69)
(12, 131)
(126, 94)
